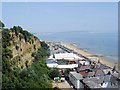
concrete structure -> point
(75, 79)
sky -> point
(61, 17)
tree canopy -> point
(2, 24)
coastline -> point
(104, 60)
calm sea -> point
(105, 44)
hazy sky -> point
(60, 17)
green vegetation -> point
(1, 24)
(54, 72)
(42, 52)
(67, 71)
(34, 76)
(25, 34)
(5, 38)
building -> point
(51, 63)
(75, 78)
(107, 81)
(61, 64)
(84, 62)
(66, 56)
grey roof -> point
(101, 66)
(95, 81)
(51, 61)
(84, 67)
(104, 66)
(116, 75)
(91, 74)
(78, 76)
(91, 84)
(99, 72)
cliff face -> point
(23, 45)
(23, 60)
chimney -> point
(114, 68)
(102, 83)
(98, 61)
(109, 73)
(90, 62)
(53, 55)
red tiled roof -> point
(83, 72)
(71, 60)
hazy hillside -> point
(23, 60)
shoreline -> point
(104, 60)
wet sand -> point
(104, 60)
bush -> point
(54, 72)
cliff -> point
(23, 60)
(22, 45)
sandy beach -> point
(103, 60)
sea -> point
(98, 43)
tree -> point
(54, 72)
(1, 25)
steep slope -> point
(22, 44)
(23, 60)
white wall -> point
(75, 82)
(52, 65)
(84, 62)
(62, 66)
(68, 66)
(81, 85)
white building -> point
(84, 62)
(75, 78)
(68, 56)
(52, 63)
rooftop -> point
(69, 56)
(84, 67)
(51, 61)
(107, 81)
(77, 75)
(92, 84)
